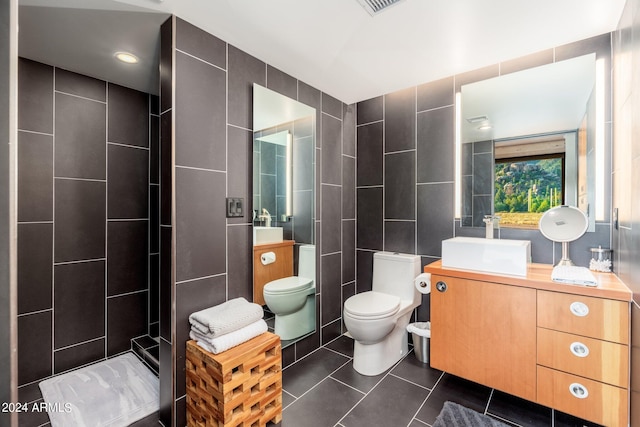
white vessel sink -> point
(262, 235)
(487, 255)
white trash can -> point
(421, 334)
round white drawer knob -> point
(579, 309)
(579, 349)
(578, 390)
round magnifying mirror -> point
(563, 224)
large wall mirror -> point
(284, 255)
(529, 141)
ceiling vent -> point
(374, 7)
(477, 119)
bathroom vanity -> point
(263, 274)
(562, 346)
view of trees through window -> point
(526, 188)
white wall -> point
(8, 138)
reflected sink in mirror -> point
(263, 235)
(500, 256)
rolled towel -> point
(232, 339)
(226, 317)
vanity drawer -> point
(588, 316)
(598, 402)
(599, 360)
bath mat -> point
(454, 415)
(114, 393)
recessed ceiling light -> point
(126, 57)
(485, 127)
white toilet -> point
(377, 319)
(292, 299)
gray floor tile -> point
(343, 345)
(411, 369)
(301, 376)
(455, 389)
(520, 411)
(148, 421)
(287, 399)
(349, 376)
(323, 406)
(565, 420)
(393, 402)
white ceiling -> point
(333, 45)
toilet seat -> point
(371, 305)
(287, 285)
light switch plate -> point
(235, 207)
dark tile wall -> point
(304, 171)
(405, 170)
(206, 258)
(626, 176)
(83, 220)
(477, 182)
(269, 179)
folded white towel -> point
(226, 317)
(574, 275)
(232, 339)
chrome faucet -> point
(491, 222)
(266, 217)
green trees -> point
(528, 186)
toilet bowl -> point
(372, 315)
(288, 298)
(292, 299)
(377, 319)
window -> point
(526, 187)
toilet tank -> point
(393, 273)
(307, 262)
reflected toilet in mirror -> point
(292, 299)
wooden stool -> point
(239, 387)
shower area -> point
(88, 228)
(88, 220)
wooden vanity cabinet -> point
(485, 332)
(562, 346)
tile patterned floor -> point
(322, 390)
